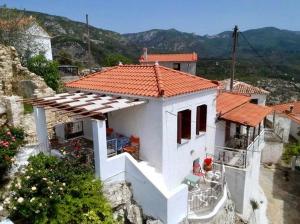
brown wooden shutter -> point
(203, 116)
(188, 124)
(198, 120)
(179, 127)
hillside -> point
(71, 37)
(279, 50)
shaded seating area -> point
(118, 143)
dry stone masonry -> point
(17, 82)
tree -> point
(64, 58)
(48, 70)
(115, 58)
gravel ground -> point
(282, 189)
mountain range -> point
(263, 52)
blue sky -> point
(195, 16)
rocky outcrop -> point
(17, 82)
(126, 210)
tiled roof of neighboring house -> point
(228, 101)
(142, 80)
(286, 110)
(236, 108)
(190, 57)
(242, 87)
(248, 114)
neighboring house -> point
(173, 122)
(239, 143)
(181, 62)
(37, 41)
(286, 120)
(258, 95)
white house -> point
(154, 127)
(37, 41)
(181, 62)
(258, 95)
(238, 144)
(286, 120)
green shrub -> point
(48, 70)
(291, 150)
(58, 191)
(10, 140)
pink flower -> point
(8, 133)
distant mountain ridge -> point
(279, 47)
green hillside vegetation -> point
(279, 50)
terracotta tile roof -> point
(169, 58)
(228, 101)
(285, 109)
(248, 114)
(242, 87)
(142, 80)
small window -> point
(176, 66)
(201, 119)
(254, 101)
(183, 125)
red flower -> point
(208, 161)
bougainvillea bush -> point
(54, 190)
(10, 140)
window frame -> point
(201, 121)
(184, 125)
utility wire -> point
(265, 61)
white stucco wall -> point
(243, 184)
(188, 67)
(261, 98)
(144, 121)
(40, 41)
(295, 130)
(178, 158)
(282, 126)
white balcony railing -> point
(205, 196)
(239, 157)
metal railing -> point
(204, 197)
(238, 157)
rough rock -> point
(153, 222)
(118, 194)
(134, 214)
(126, 210)
(17, 81)
(2, 108)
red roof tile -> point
(242, 87)
(142, 80)
(169, 58)
(228, 101)
(285, 109)
(248, 114)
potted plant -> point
(207, 166)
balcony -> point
(207, 193)
(237, 152)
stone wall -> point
(17, 82)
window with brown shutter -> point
(201, 119)
(183, 125)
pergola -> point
(84, 104)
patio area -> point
(205, 191)
(75, 144)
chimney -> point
(145, 53)
(291, 108)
